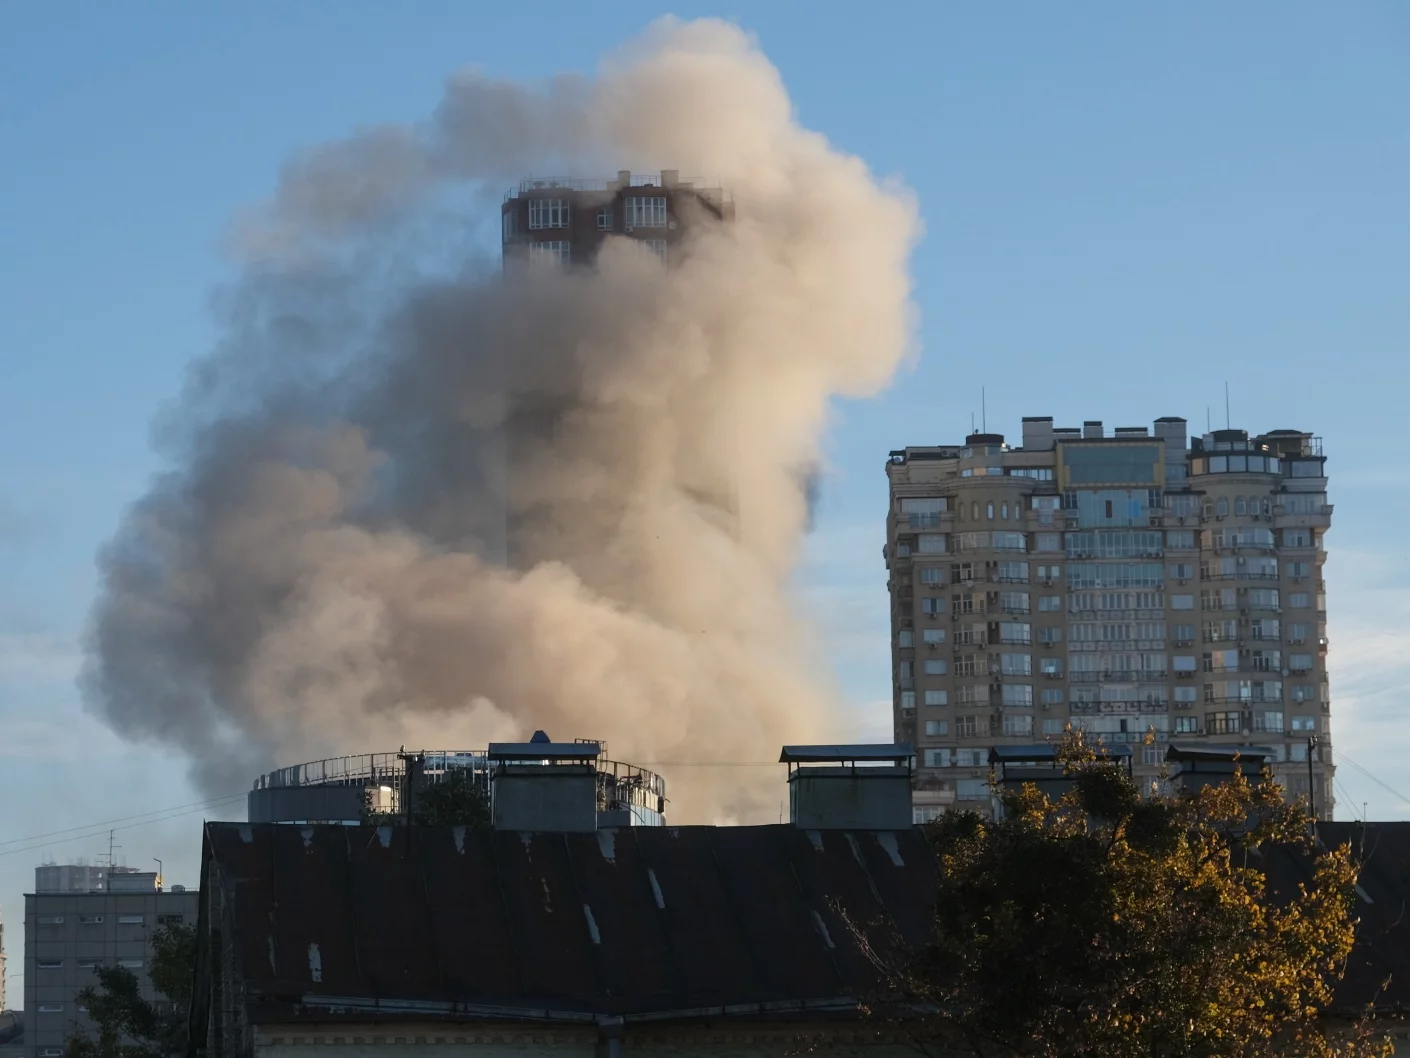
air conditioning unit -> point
(1244, 612)
(1183, 580)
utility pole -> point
(1312, 743)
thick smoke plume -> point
(322, 569)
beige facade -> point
(68, 934)
(1144, 588)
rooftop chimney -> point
(1092, 428)
(828, 791)
(670, 177)
(542, 785)
(1038, 433)
(1015, 766)
(624, 178)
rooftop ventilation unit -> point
(853, 787)
(542, 785)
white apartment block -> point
(1138, 586)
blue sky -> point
(1125, 206)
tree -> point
(1107, 924)
(130, 1026)
(455, 800)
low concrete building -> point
(68, 934)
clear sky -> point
(1125, 206)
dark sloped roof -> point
(636, 920)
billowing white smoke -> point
(314, 575)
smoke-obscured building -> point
(566, 221)
(70, 932)
(1143, 588)
(348, 789)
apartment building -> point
(1141, 586)
(565, 223)
(68, 933)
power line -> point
(123, 819)
(1366, 772)
(97, 830)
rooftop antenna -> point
(1227, 424)
(971, 422)
(983, 410)
(1207, 427)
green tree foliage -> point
(129, 1026)
(454, 800)
(1107, 924)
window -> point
(906, 670)
(1050, 604)
(51, 920)
(1186, 725)
(1015, 632)
(905, 638)
(989, 510)
(937, 697)
(1182, 570)
(935, 728)
(966, 727)
(548, 213)
(604, 218)
(131, 920)
(971, 758)
(933, 636)
(1049, 574)
(550, 253)
(1183, 694)
(1019, 695)
(1052, 696)
(1179, 538)
(931, 543)
(1184, 663)
(51, 1008)
(932, 605)
(89, 964)
(1299, 600)
(1304, 723)
(1221, 508)
(936, 667)
(1050, 666)
(656, 246)
(1013, 572)
(1224, 723)
(908, 699)
(1016, 664)
(511, 226)
(49, 964)
(1241, 507)
(1182, 602)
(1013, 601)
(923, 814)
(1268, 720)
(1047, 542)
(1004, 513)
(1303, 692)
(1300, 662)
(1296, 569)
(643, 212)
(932, 575)
(965, 790)
(1010, 542)
(131, 964)
(1054, 726)
(1052, 635)
(1018, 724)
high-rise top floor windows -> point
(646, 212)
(548, 213)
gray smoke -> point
(321, 570)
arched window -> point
(1222, 507)
(1240, 507)
(989, 511)
(1004, 512)
(974, 510)
(1267, 507)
